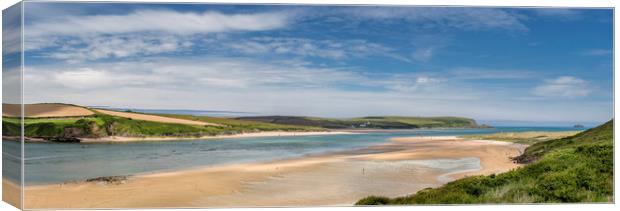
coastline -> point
(240, 135)
(376, 170)
(121, 139)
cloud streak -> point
(597, 52)
(443, 17)
(563, 87)
(169, 21)
(119, 46)
(303, 47)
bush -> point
(374, 200)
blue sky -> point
(544, 66)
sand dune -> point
(45, 110)
(392, 169)
(154, 118)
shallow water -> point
(61, 162)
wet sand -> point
(398, 168)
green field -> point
(378, 122)
(578, 168)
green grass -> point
(51, 127)
(572, 169)
(102, 125)
(379, 122)
(530, 137)
(424, 122)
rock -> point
(115, 180)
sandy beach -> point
(398, 168)
(241, 135)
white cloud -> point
(139, 33)
(285, 88)
(157, 21)
(413, 84)
(564, 86)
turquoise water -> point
(61, 162)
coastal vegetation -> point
(70, 123)
(577, 168)
(373, 122)
(102, 125)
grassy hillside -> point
(572, 169)
(378, 122)
(102, 125)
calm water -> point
(56, 162)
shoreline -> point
(112, 139)
(351, 175)
(123, 139)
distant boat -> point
(578, 126)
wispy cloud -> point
(158, 21)
(444, 17)
(474, 73)
(78, 38)
(597, 52)
(11, 30)
(114, 46)
(423, 54)
(563, 87)
(562, 13)
(304, 47)
(91, 37)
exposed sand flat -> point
(45, 110)
(154, 118)
(242, 135)
(398, 168)
(494, 155)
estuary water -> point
(47, 163)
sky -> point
(534, 65)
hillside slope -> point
(104, 123)
(45, 110)
(573, 169)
